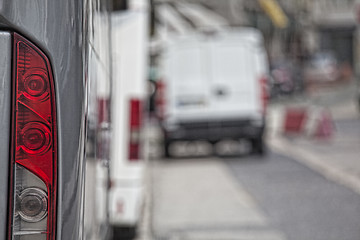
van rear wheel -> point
(258, 146)
(124, 233)
(167, 148)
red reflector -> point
(134, 151)
(135, 129)
(103, 109)
(135, 119)
(34, 144)
(264, 93)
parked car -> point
(214, 87)
(323, 67)
(286, 78)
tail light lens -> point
(135, 129)
(103, 105)
(34, 146)
(264, 95)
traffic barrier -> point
(294, 120)
(311, 122)
(325, 126)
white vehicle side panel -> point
(129, 41)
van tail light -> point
(135, 129)
(160, 100)
(33, 184)
(103, 105)
(264, 94)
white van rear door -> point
(214, 78)
(234, 79)
(187, 77)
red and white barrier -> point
(308, 121)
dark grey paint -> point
(5, 93)
(57, 27)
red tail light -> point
(103, 109)
(34, 145)
(135, 129)
(160, 99)
(264, 95)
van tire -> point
(167, 148)
(258, 146)
(124, 233)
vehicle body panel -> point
(97, 161)
(129, 42)
(5, 125)
(213, 86)
(57, 28)
(209, 72)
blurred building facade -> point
(334, 25)
(311, 25)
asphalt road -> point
(299, 202)
(309, 192)
(250, 198)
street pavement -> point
(304, 188)
(199, 199)
(300, 202)
(336, 157)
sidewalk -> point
(199, 200)
(336, 158)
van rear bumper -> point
(215, 130)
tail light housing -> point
(33, 184)
(135, 123)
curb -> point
(315, 163)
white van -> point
(127, 165)
(214, 87)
